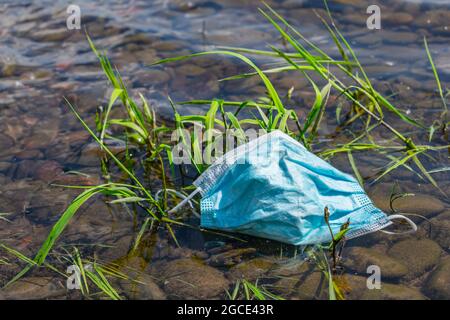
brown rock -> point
(6, 142)
(438, 283)
(76, 180)
(397, 18)
(421, 204)
(139, 286)
(392, 292)
(48, 171)
(314, 286)
(440, 229)
(352, 286)
(251, 269)
(38, 288)
(190, 279)
(418, 255)
(286, 285)
(359, 259)
(231, 257)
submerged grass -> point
(361, 108)
(91, 273)
(245, 290)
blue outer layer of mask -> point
(273, 187)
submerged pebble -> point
(418, 255)
(438, 283)
(34, 288)
(304, 286)
(358, 259)
(139, 285)
(48, 171)
(142, 287)
(398, 18)
(422, 204)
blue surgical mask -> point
(274, 188)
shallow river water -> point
(41, 142)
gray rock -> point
(418, 255)
(438, 283)
(358, 259)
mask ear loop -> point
(402, 217)
(186, 199)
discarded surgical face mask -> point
(274, 188)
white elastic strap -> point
(400, 216)
(183, 202)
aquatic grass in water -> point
(93, 272)
(366, 103)
(442, 123)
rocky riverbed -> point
(42, 146)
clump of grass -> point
(245, 290)
(92, 273)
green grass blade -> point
(355, 168)
(436, 76)
(114, 96)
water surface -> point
(41, 141)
